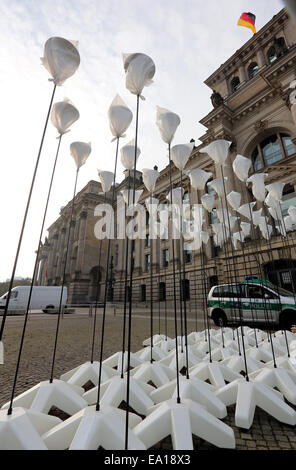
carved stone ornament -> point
(260, 126)
(216, 99)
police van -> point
(252, 301)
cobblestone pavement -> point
(74, 349)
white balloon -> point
(128, 155)
(258, 185)
(276, 190)
(140, 70)
(167, 122)
(150, 178)
(63, 115)
(292, 213)
(80, 152)
(120, 117)
(257, 217)
(198, 178)
(61, 59)
(241, 167)
(237, 237)
(208, 201)
(247, 210)
(245, 228)
(180, 154)
(234, 199)
(177, 196)
(106, 178)
(217, 151)
(128, 195)
(217, 185)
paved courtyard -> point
(74, 349)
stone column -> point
(261, 58)
(242, 73)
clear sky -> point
(187, 39)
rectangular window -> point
(143, 293)
(147, 240)
(147, 262)
(165, 258)
(188, 256)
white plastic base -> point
(193, 389)
(157, 354)
(181, 421)
(88, 372)
(116, 361)
(45, 395)
(283, 379)
(216, 373)
(90, 429)
(23, 428)
(113, 392)
(248, 395)
(158, 374)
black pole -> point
(131, 291)
(33, 278)
(63, 281)
(125, 286)
(106, 286)
(97, 298)
(25, 217)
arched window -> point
(271, 150)
(235, 82)
(253, 69)
(271, 55)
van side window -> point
(230, 291)
(14, 294)
(255, 292)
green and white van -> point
(255, 301)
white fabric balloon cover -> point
(241, 167)
(276, 190)
(208, 201)
(180, 154)
(167, 122)
(234, 199)
(61, 59)
(218, 186)
(258, 185)
(217, 151)
(127, 195)
(106, 178)
(150, 178)
(80, 152)
(140, 70)
(120, 117)
(198, 178)
(63, 115)
(128, 155)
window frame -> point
(279, 136)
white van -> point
(255, 300)
(43, 298)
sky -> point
(187, 40)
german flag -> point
(248, 20)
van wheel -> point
(219, 318)
(48, 307)
(287, 320)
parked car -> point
(43, 298)
(256, 300)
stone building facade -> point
(251, 108)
